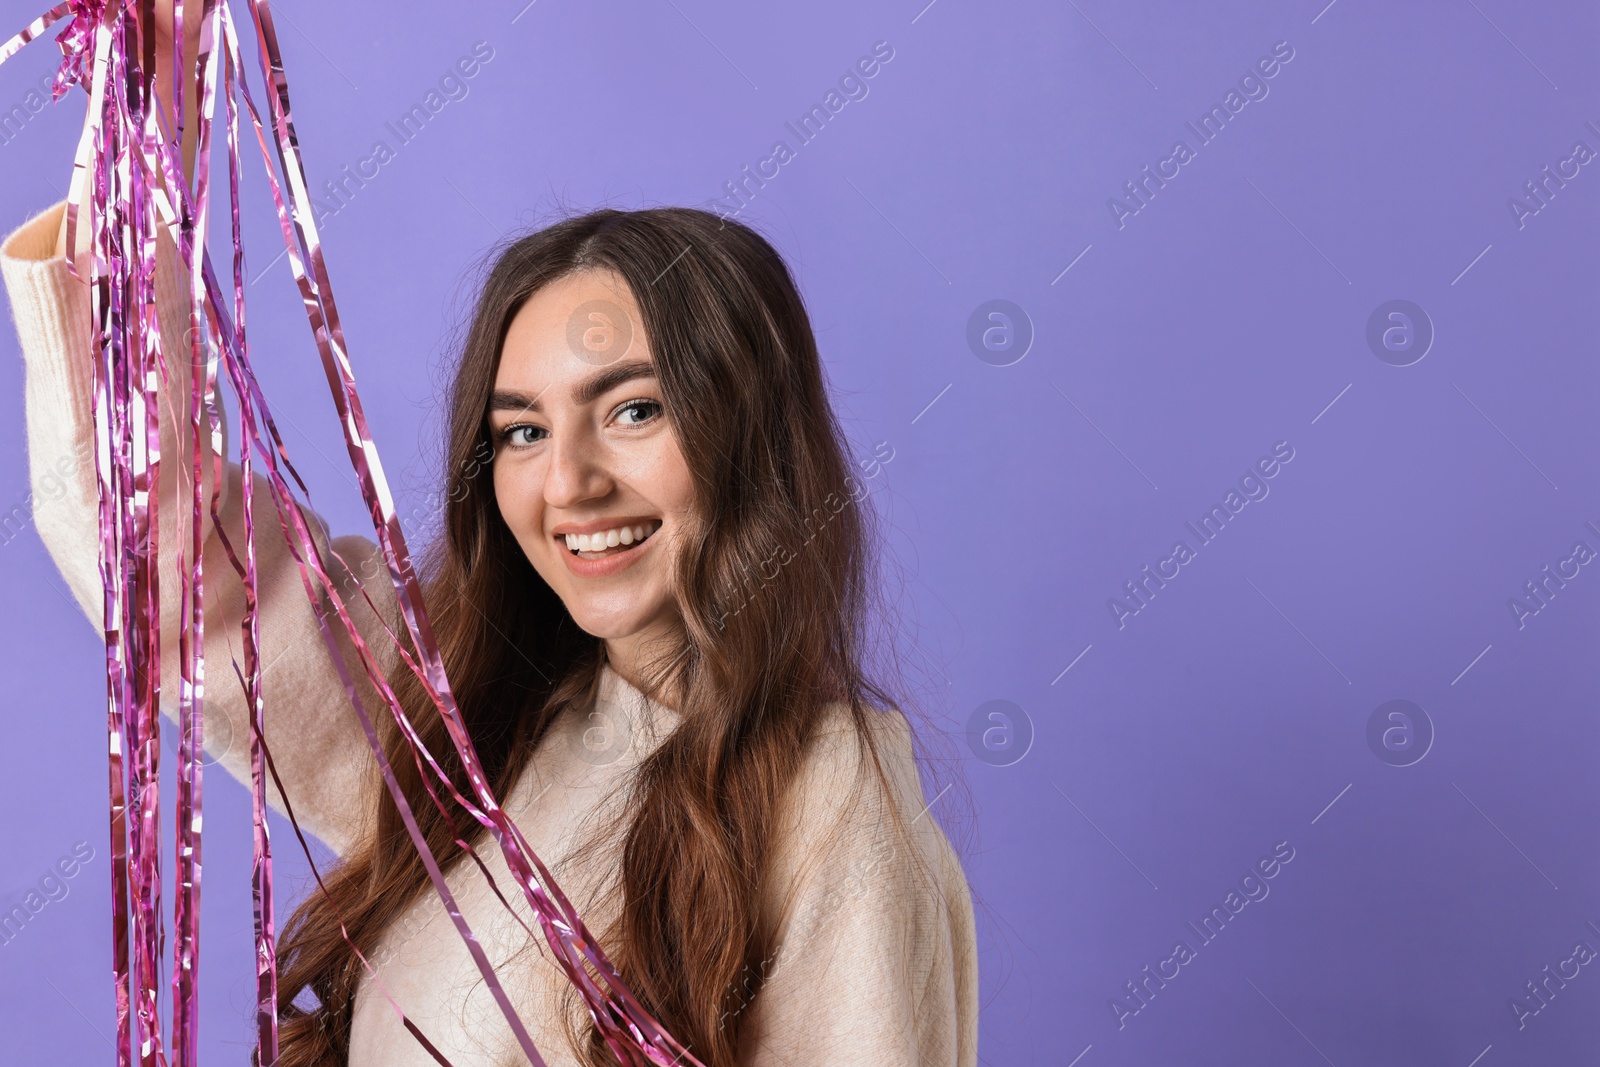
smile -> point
(611, 542)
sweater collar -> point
(649, 719)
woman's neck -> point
(634, 656)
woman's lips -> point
(604, 566)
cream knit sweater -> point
(877, 959)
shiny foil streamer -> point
(129, 164)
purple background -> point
(1228, 314)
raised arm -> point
(314, 735)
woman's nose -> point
(577, 472)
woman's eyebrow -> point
(586, 392)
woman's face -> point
(585, 457)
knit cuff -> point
(50, 306)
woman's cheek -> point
(505, 499)
(672, 477)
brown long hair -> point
(771, 634)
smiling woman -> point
(721, 786)
(585, 456)
(650, 378)
(731, 800)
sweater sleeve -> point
(876, 964)
(315, 738)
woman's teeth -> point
(623, 536)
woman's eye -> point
(647, 406)
(633, 413)
(520, 435)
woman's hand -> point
(193, 11)
(165, 21)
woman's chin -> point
(609, 626)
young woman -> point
(651, 591)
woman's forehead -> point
(570, 328)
